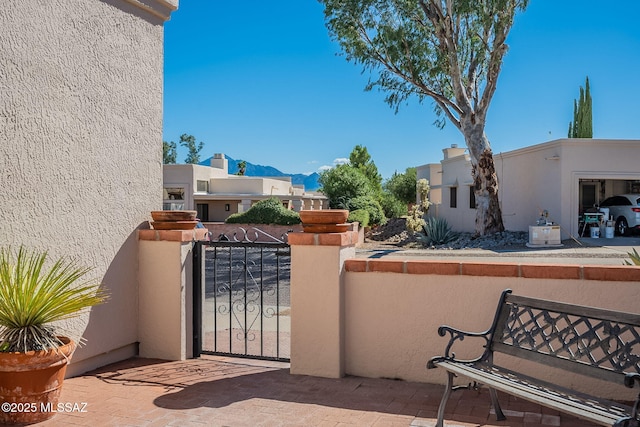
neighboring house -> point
(80, 137)
(564, 177)
(216, 194)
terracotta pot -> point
(174, 225)
(325, 228)
(174, 215)
(325, 216)
(30, 383)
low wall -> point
(379, 318)
(394, 308)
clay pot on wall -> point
(324, 221)
(174, 220)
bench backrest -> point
(599, 343)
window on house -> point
(453, 197)
(202, 186)
(472, 198)
(173, 193)
(173, 206)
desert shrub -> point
(392, 206)
(269, 211)
(343, 183)
(371, 205)
(436, 232)
(361, 216)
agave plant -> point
(34, 295)
(635, 258)
(436, 232)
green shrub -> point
(343, 183)
(269, 211)
(361, 216)
(436, 232)
(371, 205)
(392, 206)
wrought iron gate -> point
(241, 296)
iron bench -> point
(598, 343)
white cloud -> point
(336, 162)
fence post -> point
(165, 298)
(317, 302)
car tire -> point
(622, 227)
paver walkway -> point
(214, 391)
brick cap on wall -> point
(173, 235)
(348, 238)
(469, 268)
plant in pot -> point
(35, 347)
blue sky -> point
(261, 81)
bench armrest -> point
(457, 335)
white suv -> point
(625, 210)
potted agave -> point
(35, 294)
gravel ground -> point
(395, 235)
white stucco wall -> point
(541, 177)
(546, 176)
(250, 185)
(456, 172)
(80, 146)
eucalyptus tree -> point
(449, 51)
(193, 148)
(169, 153)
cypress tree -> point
(582, 125)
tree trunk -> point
(485, 179)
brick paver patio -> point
(214, 391)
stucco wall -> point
(393, 310)
(379, 318)
(80, 146)
(250, 185)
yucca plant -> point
(635, 258)
(34, 295)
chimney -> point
(452, 152)
(220, 162)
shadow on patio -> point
(215, 391)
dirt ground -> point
(394, 234)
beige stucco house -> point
(81, 146)
(564, 177)
(216, 194)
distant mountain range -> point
(310, 181)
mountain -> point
(310, 181)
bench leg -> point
(445, 397)
(496, 405)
